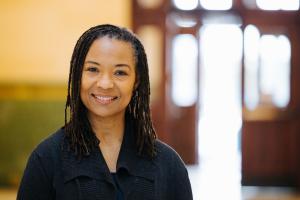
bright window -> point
(267, 69)
(275, 54)
(278, 4)
(184, 70)
(184, 22)
(220, 114)
(216, 4)
(186, 4)
(251, 49)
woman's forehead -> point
(106, 46)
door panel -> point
(270, 135)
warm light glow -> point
(41, 51)
(216, 4)
(151, 37)
(186, 4)
(150, 4)
(184, 70)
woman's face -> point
(108, 77)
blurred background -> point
(224, 77)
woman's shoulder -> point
(166, 153)
(163, 147)
(51, 145)
(172, 172)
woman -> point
(108, 147)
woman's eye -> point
(92, 69)
(120, 73)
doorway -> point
(220, 110)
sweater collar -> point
(94, 165)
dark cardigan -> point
(53, 172)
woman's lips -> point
(104, 99)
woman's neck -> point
(109, 129)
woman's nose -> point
(105, 82)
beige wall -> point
(37, 37)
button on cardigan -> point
(55, 173)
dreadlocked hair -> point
(82, 139)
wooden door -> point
(270, 133)
(175, 124)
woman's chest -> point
(91, 188)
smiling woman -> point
(108, 78)
(108, 148)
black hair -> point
(82, 139)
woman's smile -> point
(104, 99)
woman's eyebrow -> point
(117, 65)
(92, 62)
(122, 65)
